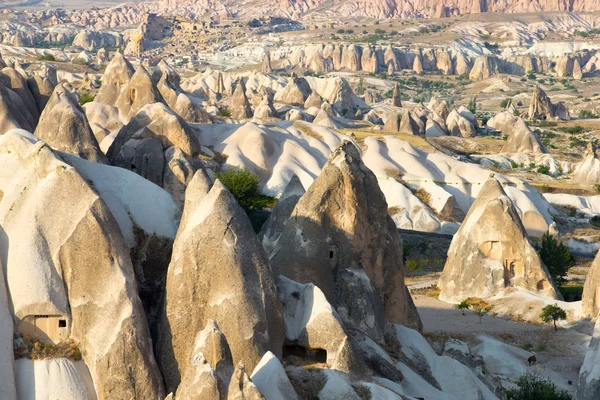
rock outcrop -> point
(220, 270)
(588, 170)
(491, 251)
(348, 241)
(296, 92)
(588, 383)
(64, 126)
(273, 227)
(541, 107)
(238, 103)
(85, 276)
(523, 140)
(139, 92)
(590, 300)
(116, 76)
(396, 102)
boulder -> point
(373, 118)
(64, 126)
(491, 251)
(271, 380)
(220, 270)
(522, 140)
(411, 124)
(315, 246)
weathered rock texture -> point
(116, 76)
(340, 238)
(76, 266)
(590, 305)
(588, 383)
(523, 140)
(220, 270)
(64, 126)
(491, 251)
(542, 108)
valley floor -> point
(559, 354)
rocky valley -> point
(273, 200)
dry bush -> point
(33, 349)
(424, 196)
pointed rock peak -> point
(491, 251)
(347, 153)
(590, 151)
(164, 71)
(118, 70)
(64, 126)
(293, 188)
(242, 387)
(198, 187)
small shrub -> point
(514, 165)
(46, 57)
(543, 169)
(423, 195)
(533, 387)
(225, 112)
(463, 305)
(413, 266)
(85, 98)
(544, 188)
(244, 186)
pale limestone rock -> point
(491, 251)
(333, 246)
(220, 270)
(522, 140)
(64, 126)
(116, 76)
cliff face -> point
(422, 8)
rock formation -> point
(503, 122)
(140, 91)
(333, 245)
(220, 270)
(590, 304)
(238, 103)
(588, 383)
(396, 102)
(266, 64)
(522, 140)
(242, 387)
(296, 92)
(265, 109)
(116, 76)
(64, 126)
(49, 212)
(459, 126)
(271, 380)
(411, 125)
(491, 251)
(484, 67)
(273, 226)
(9, 77)
(588, 170)
(314, 100)
(542, 108)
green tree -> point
(556, 257)
(533, 387)
(413, 266)
(244, 186)
(462, 306)
(480, 312)
(360, 89)
(553, 313)
(472, 105)
(85, 98)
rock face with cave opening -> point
(340, 237)
(491, 251)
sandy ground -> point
(560, 354)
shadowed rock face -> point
(139, 92)
(588, 384)
(340, 238)
(590, 305)
(220, 271)
(523, 140)
(64, 126)
(491, 251)
(86, 271)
